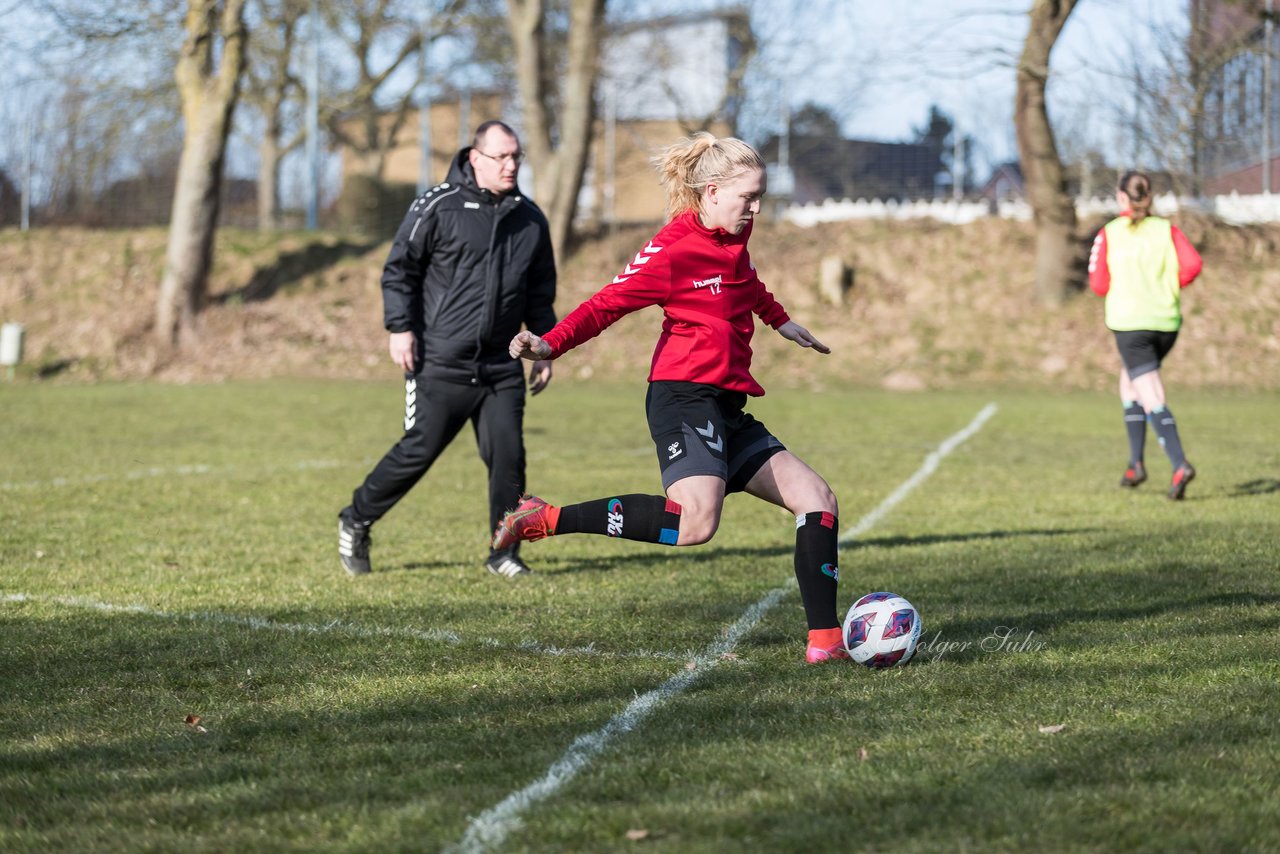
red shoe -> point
(826, 645)
(1135, 474)
(532, 519)
(1181, 477)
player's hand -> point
(793, 331)
(404, 350)
(526, 345)
(539, 375)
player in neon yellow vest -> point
(1140, 263)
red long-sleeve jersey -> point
(708, 290)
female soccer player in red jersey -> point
(698, 270)
(1141, 263)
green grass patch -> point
(169, 551)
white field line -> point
(333, 627)
(200, 469)
(489, 830)
(929, 466)
(173, 471)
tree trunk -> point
(1042, 172)
(208, 84)
(269, 157)
(559, 171)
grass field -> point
(169, 552)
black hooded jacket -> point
(467, 268)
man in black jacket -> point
(470, 264)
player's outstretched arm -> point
(526, 345)
(793, 331)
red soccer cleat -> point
(532, 519)
(1181, 477)
(826, 645)
(1135, 474)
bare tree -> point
(1185, 85)
(208, 77)
(98, 100)
(558, 149)
(371, 29)
(1053, 208)
(270, 82)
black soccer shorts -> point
(1142, 350)
(699, 429)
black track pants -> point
(435, 410)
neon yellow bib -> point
(1143, 264)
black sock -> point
(1135, 422)
(816, 568)
(646, 518)
(1167, 429)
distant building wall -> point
(1229, 38)
(637, 194)
(404, 161)
(661, 80)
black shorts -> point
(699, 429)
(1142, 350)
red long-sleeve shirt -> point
(708, 290)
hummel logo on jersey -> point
(615, 518)
(642, 258)
(713, 283)
(410, 403)
(674, 450)
(1094, 251)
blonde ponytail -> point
(686, 167)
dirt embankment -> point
(932, 306)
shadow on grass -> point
(291, 267)
(1262, 486)
(315, 728)
(969, 640)
(705, 554)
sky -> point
(885, 62)
(971, 59)
(878, 65)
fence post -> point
(10, 347)
(835, 278)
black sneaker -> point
(506, 564)
(1135, 474)
(353, 545)
(1182, 475)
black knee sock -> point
(1135, 422)
(1167, 429)
(816, 568)
(646, 518)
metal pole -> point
(957, 163)
(26, 178)
(610, 155)
(464, 119)
(1266, 101)
(313, 120)
(424, 116)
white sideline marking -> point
(336, 626)
(929, 467)
(170, 471)
(489, 830)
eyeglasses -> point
(517, 158)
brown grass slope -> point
(932, 306)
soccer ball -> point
(881, 630)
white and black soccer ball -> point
(881, 630)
